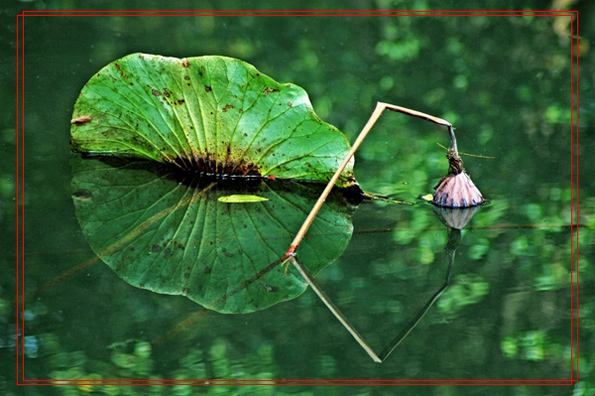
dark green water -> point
(504, 82)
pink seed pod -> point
(456, 190)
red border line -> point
(577, 194)
(17, 197)
(149, 381)
(572, 192)
(291, 12)
(19, 192)
(22, 180)
(299, 12)
(330, 382)
(303, 14)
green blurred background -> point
(503, 81)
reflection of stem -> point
(454, 237)
(60, 278)
(454, 240)
(334, 309)
(184, 324)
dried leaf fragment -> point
(82, 120)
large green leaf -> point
(170, 233)
(208, 114)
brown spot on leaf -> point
(227, 253)
(208, 89)
(268, 90)
(185, 63)
(178, 245)
(166, 92)
(155, 92)
(181, 101)
(227, 107)
(82, 120)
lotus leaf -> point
(212, 115)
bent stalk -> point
(380, 107)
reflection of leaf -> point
(210, 114)
(171, 235)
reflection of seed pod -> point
(456, 218)
(456, 190)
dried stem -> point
(380, 107)
(453, 140)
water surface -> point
(504, 82)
